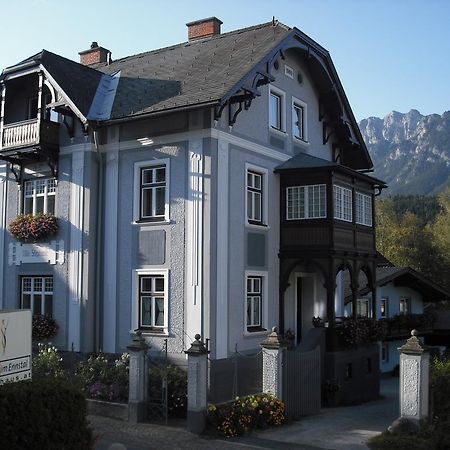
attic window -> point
(289, 72)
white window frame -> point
(359, 303)
(135, 307)
(34, 196)
(264, 302)
(42, 292)
(339, 203)
(138, 166)
(385, 301)
(264, 195)
(300, 104)
(282, 95)
(307, 191)
(405, 301)
(363, 209)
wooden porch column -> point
(39, 99)
(2, 112)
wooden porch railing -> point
(20, 134)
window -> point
(151, 200)
(404, 306)
(37, 295)
(277, 114)
(384, 353)
(363, 209)
(342, 203)
(256, 183)
(362, 307)
(152, 301)
(306, 202)
(384, 308)
(299, 120)
(254, 303)
(254, 197)
(39, 196)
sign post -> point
(15, 345)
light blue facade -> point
(205, 247)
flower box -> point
(29, 228)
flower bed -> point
(101, 379)
(29, 228)
(244, 414)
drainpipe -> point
(98, 262)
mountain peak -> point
(410, 151)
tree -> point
(440, 232)
(404, 240)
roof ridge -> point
(198, 41)
(72, 61)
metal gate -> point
(167, 388)
(301, 383)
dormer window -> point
(39, 196)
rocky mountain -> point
(411, 152)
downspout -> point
(99, 225)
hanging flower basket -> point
(29, 228)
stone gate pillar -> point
(414, 380)
(273, 352)
(197, 386)
(138, 379)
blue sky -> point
(390, 54)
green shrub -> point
(44, 327)
(440, 383)
(47, 363)
(102, 379)
(176, 388)
(246, 413)
(43, 414)
(434, 435)
(396, 441)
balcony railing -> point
(400, 326)
(20, 134)
(29, 133)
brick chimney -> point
(94, 55)
(203, 28)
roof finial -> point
(273, 21)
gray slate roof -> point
(77, 81)
(304, 161)
(192, 73)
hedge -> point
(43, 414)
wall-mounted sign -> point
(15, 345)
(36, 252)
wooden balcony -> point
(29, 133)
(399, 327)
